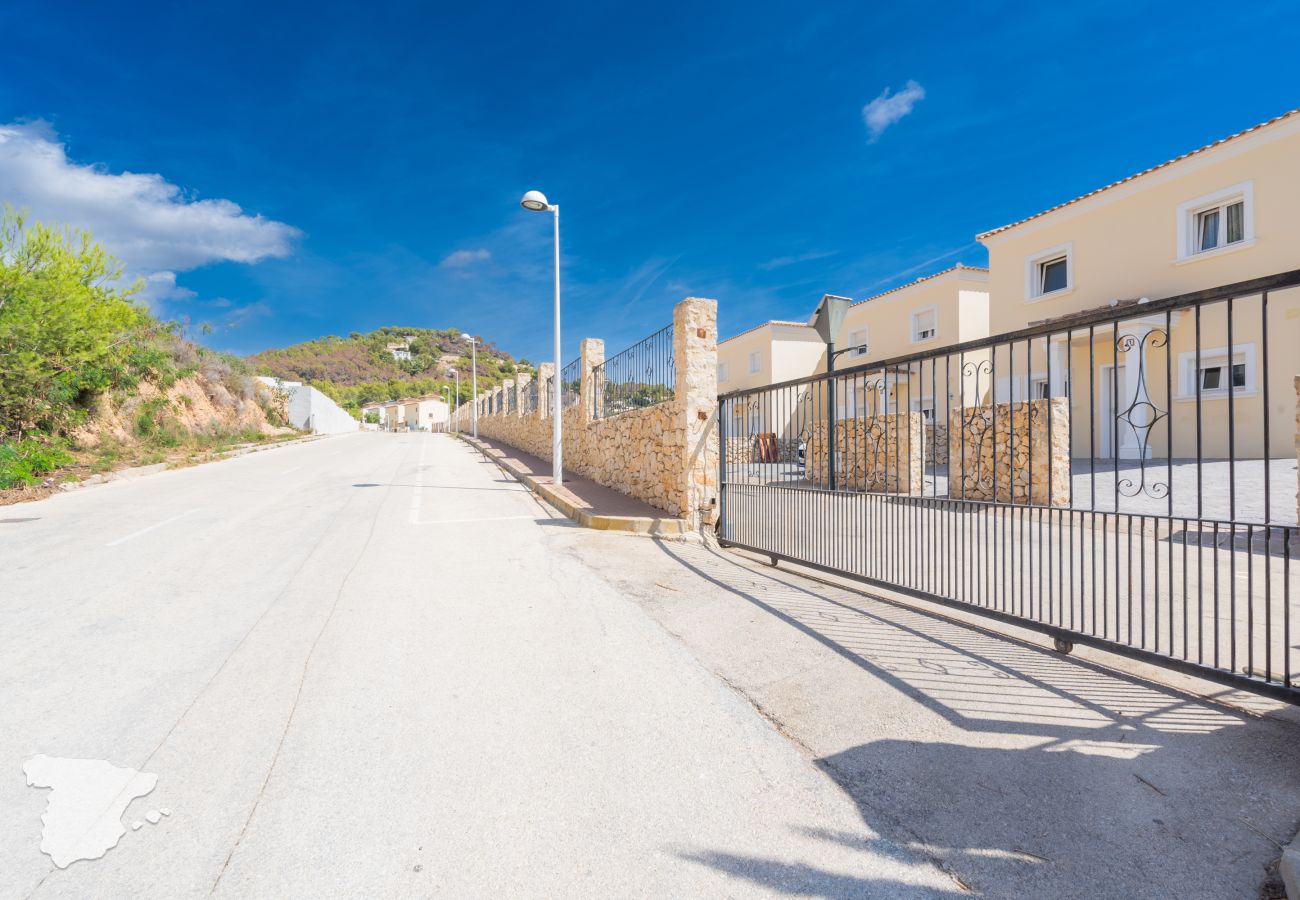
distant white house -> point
(311, 410)
(412, 414)
(401, 350)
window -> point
(722, 372)
(754, 364)
(925, 325)
(1212, 377)
(1038, 389)
(1217, 222)
(1049, 272)
(1219, 226)
(1052, 275)
(1213, 374)
(858, 341)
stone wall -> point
(666, 454)
(1015, 452)
(936, 444)
(872, 453)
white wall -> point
(311, 410)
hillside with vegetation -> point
(90, 381)
(367, 368)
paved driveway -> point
(360, 668)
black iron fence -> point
(512, 399)
(570, 384)
(640, 376)
(531, 397)
(1124, 478)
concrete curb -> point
(1288, 867)
(142, 471)
(666, 528)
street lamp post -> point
(473, 365)
(456, 372)
(536, 202)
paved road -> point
(357, 668)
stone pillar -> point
(521, 390)
(545, 376)
(591, 395)
(1011, 452)
(1297, 442)
(695, 355)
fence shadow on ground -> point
(1058, 778)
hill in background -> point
(388, 364)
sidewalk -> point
(1020, 772)
(589, 504)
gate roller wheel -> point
(774, 560)
(1062, 645)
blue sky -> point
(287, 172)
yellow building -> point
(930, 313)
(768, 354)
(1226, 213)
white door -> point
(1107, 391)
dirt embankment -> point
(197, 407)
(192, 420)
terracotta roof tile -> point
(1199, 150)
(764, 325)
(902, 287)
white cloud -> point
(160, 286)
(781, 262)
(149, 224)
(888, 108)
(462, 258)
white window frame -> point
(1033, 276)
(755, 362)
(859, 337)
(1036, 379)
(916, 338)
(1187, 213)
(921, 404)
(1189, 376)
(722, 373)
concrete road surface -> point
(358, 668)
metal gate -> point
(1124, 478)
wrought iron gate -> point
(1123, 478)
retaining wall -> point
(666, 454)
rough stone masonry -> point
(665, 454)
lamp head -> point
(536, 201)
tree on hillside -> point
(65, 323)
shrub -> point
(24, 463)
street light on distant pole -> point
(536, 201)
(473, 365)
(456, 372)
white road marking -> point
(136, 534)
(417, 496)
